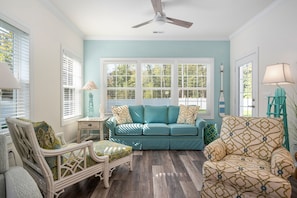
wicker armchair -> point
(55, 169)
(248, 160)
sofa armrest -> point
(111, 124)
(216, 150)
(282, 163)
(200, 123)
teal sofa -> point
(156, 128)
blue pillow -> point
(173, 112)
(136, 113)
(155, 114)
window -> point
(159, 82)
(14, 50)
(71, 87)
(156, 83)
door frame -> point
(253, 57)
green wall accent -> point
(94, 50)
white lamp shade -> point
(278, 74)
(7, 79)
(90, 85)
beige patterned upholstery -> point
(122, 114)
(248, 160)
(187, 114)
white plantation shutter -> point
(15, 51)
(71, 86)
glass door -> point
(247, 85)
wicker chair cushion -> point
(112, 149)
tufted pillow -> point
(187, 114)
(121, 114)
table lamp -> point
(278, 74)
(7, 79)
(90, 85)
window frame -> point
(76, 87)
(20, 65)
(209, 114)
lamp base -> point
(91, 106)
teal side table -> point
(210, 133)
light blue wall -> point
(219, 50)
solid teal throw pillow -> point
(136, 113)
(155, 114)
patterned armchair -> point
(248, 160)
(52, 165)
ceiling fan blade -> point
(178, 22)
(157, 5)
(141, 24)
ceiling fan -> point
(160, 17)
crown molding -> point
(51, 7)
(255, 18)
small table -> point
(91, 123)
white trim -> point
(174, 61)
(56, 12)
(65, 122)
(254, 57)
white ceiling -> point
(113, 19)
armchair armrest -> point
(282, 163)
(75, 147)
(215, 151)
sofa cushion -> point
(122, 114)
(155, 129)
(182, 129)
(187, 114)
(136, 113)
(129, 129)
(155, 114)
(173, 112)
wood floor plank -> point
(194, 174)
(159, 182)
(189, 189)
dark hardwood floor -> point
(156, 174)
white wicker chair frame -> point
(70, 171)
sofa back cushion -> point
(136, 113)
(254, 137)
(155, 114)
(173, 112)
